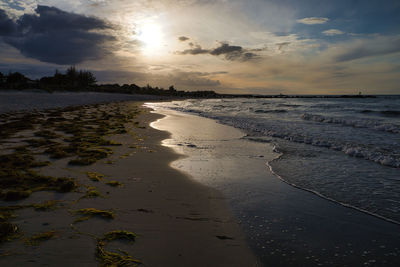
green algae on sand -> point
(114, 183)
(92, 212)
(8, 231)
(38, 238)
(95, 176)
(109, 258)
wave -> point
(289, 105)
(386, 113)
(375, 154)
(270, 111)
(390, 113)
(370, 124)
(324, 196)
(380, 155)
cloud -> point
(278, 44)
(194, 79)
(183, 38)
(55, 36)
(313, 20)
(230, 52)
(281, 46)
(195, 50)
(182, 80)
(332, 32)
(364, 48)
(7, 26)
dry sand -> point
(178, 222)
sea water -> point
(343, 149)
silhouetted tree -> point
(16, 77)
(72, 76)
(86, 78)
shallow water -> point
(347, 150)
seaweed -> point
(39, 142)
(95, 176)
(88, 130)
(45, 206)
(108, 258)
(91, 192)
(25, 122)
(19, 180)
(38, 238)
(57, 151)
(92, 212)
(114, 183)
(119, 234)
(90, 156)
(8, 231)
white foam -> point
(370, 124)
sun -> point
(151, 37)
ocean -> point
(346, 150)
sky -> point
(229, 46)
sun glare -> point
(151, 37)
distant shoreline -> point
(216, 96)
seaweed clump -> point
(45, 206)
(114, 183)
(108, 258)
(40, 237)
(95, 176)
(91, 192)
(25, 122)
(87, 128)
(92, 212)
(18, 180)
(90, 155)
(7, 230)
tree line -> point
(83, 80)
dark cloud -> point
(230, 52)
(7, 26)
(55, 36)
(195, 50)
(226, 49)
(183, 38)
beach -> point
(142, 183)
(119, 200)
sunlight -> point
(151, 37)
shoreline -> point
(177, 222)
(284, 226)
